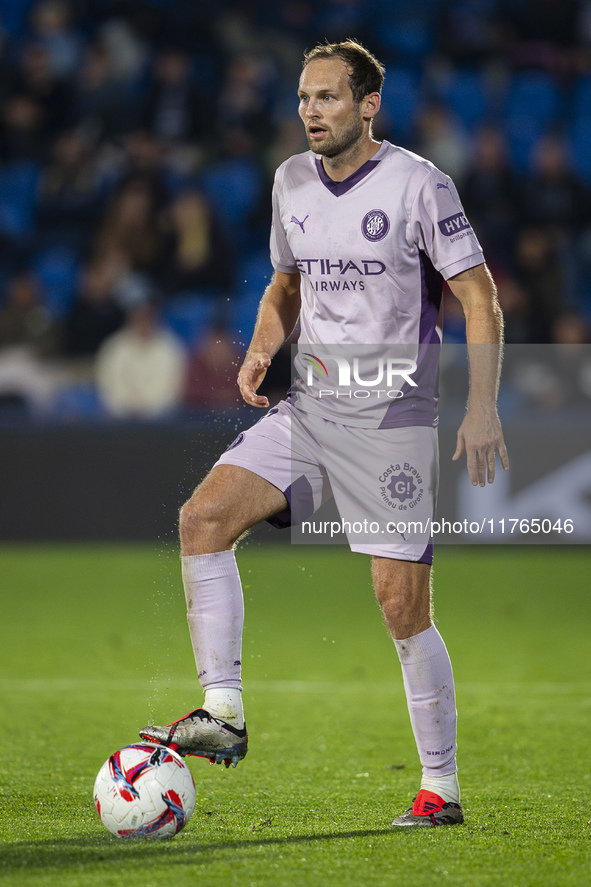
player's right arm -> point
(277, 315)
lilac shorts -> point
(383, 481)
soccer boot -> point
(201, 734)
(429, 810)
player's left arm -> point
(480, 435)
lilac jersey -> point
(372, 252)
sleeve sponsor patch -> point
(453, 224)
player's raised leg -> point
(403, 590)
(230, 500)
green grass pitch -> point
(93, 645)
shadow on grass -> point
(185, 850)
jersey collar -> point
(339, 188)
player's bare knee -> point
(200, 519)
(405, 617)
(405, 605)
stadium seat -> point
(401, 101)
(533, 95)
(254, 275)
(466, 95)
(532, 107)
(580, 128)
(410, 37)
(78, 401)
(189, 315)
(523, 133)
(581, 105)
(57, 267)
(14, 16)
(18, 187)
(580, 142)
(233, 187)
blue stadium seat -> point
(533, 95)
(18, 187)
(14, 16)
(233, 187)
(580, 129)
(254, 276)
(532, 107)
(580, 142)
(466, 95)
(523, 133)
(58, 267)
(581, 105)
(411, 37)
(401, 101)
(189, 315)
(78, 401)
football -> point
(144, 791)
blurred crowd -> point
(138, 144)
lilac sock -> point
(429, 685)
(215, 613)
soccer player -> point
(363, 235)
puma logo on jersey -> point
(439, 185)
(297, 222)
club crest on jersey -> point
(375, 225)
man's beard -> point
(333, 146)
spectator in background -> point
(175, 112)
(69, 194)
(490, 193)
(469, 31)
(543, 33)
(540, 271)
(52, 29)
(442, 141)
(28, 338)
(212, 371)
(21, 129)
(554, 195)
(140, 370)
(130, 225)
(244, 103)
(559, 376)
(104, 109)
(571, 329)
(145, 159)
(126, 40)
(96, 313)
(55, 96)
(516, 306)
(198, 256)
(135, 78)
(288, 140)
(25, 320)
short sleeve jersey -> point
(372, 252)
